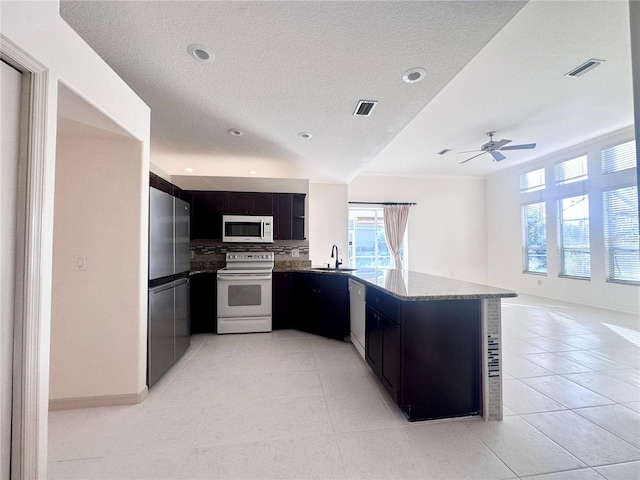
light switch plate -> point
(295, 252)
(80, 263)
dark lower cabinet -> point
(382, 349)
(203, 303)
(440, 359)
(373, 340)
(425, 353)
(282, 301)
(321, 304)
(331, 313)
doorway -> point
(10, 98)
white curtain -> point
(395, 224)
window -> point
(573, 228)
(571, 171)
(532, 181)
(620, 157)
(622, 251)
(367, 246)
(535, 238)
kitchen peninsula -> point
(434, 342)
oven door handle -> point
(244, 277)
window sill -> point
(623, 282)
(539, 274)
(572, 277)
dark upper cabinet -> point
(163, 185)
(206, 214)
(282, 203)
(207, 208)
(297, 216)
(248, 203)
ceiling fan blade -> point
(470, 151)
(499, 144)
(525, 146)
(465, 161)
(497, 156)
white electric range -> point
(244, 293)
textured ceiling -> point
(516, 86)
(281, 68)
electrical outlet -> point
(295, 252)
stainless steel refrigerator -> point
(169, 322)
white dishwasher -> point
(358, 312)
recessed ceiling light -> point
(414, 75)
(252, 172)
(200, 52)
(188, 169)
(235, 132)
(305, 135)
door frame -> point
(33, 272)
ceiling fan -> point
(494, 148)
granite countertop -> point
(414, 286)
(405, 285)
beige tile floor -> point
(289, 405)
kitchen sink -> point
(334, 269)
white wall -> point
(328, 217)
(505, 234)
(96, 312)
(37, 29)
(447, 227)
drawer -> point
(384, 303)
(331, 282)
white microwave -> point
(247, 228)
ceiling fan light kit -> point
(493, 148)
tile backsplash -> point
(209, 255)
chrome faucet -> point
(335, 249)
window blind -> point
(532, 181)
(535, 237)
(574, 245)
(621, 234)
(571, 171)
(619, 157)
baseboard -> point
(98, 401)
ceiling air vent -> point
(584, 68)
(364, 108)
